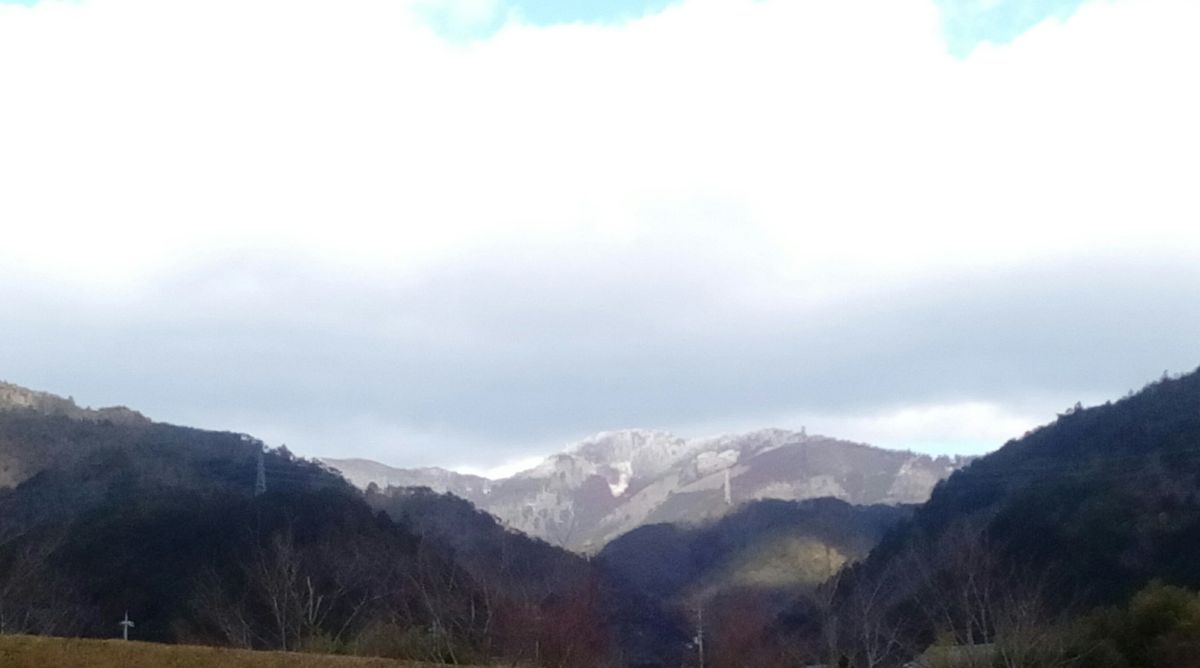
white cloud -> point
(148, 129)
(822, 151)
(504, 470)
(956, 428)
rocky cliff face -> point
(617, 481)
(17, 398)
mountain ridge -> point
(615, 481)
(600, 487)
(17, 398)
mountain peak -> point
(644, 450)
(614, 481)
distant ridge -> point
(363, 472)
(616, 481)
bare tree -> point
(449, 604)
(229, 616)
(977, 596)
(296, 596)
(277, 577)
(871, 633)
(33, 598)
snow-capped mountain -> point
(613, 482)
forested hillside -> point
(167, 523)
(1017, 548)
(770, 547)
(30, 445)
(732, 576)
(554, 601)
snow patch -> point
(624, 475)
(711, 462)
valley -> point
(213, 539)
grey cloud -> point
(505, 351)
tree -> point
(1158, 628)
(973, 595)
(34, 598)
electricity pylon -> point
(260, 481)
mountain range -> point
(614, 482)
(1067, 546)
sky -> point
(467, 233)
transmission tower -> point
(260, 481)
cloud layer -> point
(327, 224)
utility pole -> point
(700, 633)
(125, 625)
(260, 482)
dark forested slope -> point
(764, 545)
(554, 600)
(1081, 512)
(168, 523)
(1109, 495)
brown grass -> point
(38, 652)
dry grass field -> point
(38, 652)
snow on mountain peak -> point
(624, 471)
(614, 481)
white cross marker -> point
(125, 625)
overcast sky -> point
(467, 233)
